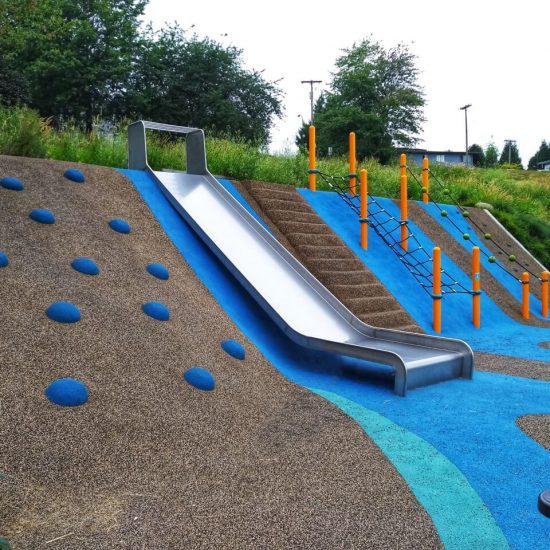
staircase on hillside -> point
(328, 258)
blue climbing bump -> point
(156, 310)
(63, 312)
(120, 226)
(67, 392)
(74, 175)
(235, 349)
(12, 184)
(41, 215)
(86, 266)
(158, 270)
(200, 378)
(4, 261)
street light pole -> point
(311, 83)
(465, 109)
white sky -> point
(490, 53)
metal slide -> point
(296, 301)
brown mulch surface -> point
(504, 364)
(149, 461)
(537, 427)
(325, 255)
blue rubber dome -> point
(63, 312)
(120, 226)
(156, 310)
(235, 349)
(12, 183)
(159, 271)
(67, 392)
(200, 378)
(41, 215)
(4, 261)
(86, 266)
(74, 175)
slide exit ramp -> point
(294, 299)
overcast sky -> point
(490, 53)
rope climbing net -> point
(465, 213)
(416, 259)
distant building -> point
(440, 157)
(543, 166)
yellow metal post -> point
(404, 206)
(312, 172)
(476, 287)
(363, 190)
(425, 180)
(544, 293)
(525, 295)
(436, 295)
(352, 164)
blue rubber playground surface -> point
(456, 444)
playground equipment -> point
(295, 300)
(523, 280)
(416, 259)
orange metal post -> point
(363, 190)
(544, 292)
(476, 286)
(425, 180)
(404, 206)
(312, 173)
(437, 289)
(525, 295)
(352, 164)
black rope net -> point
(416, 259)
(465, 213)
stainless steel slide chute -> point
(296, 301)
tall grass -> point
(521, 199)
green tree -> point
(491, 155)
(478, 155)
(76, 54)
(542, 154)
(14, 88)
(375, 93)
(510, 154)
(198, 82)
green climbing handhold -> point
(444, 213)
(466, 237)
(466, 214)
(424, 189)
(447, 191)
(492, 259)
(512, 258)
(488, 236)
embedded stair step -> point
(358, 290)
(309, 228)
(333, 264)
(289, 205)
(290, 195)
(313, 239)
(343, 277)
(365, 305)
(265, 187)
(385, 319)
(280, 214)
(318, 252)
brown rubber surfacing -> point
(150, 462)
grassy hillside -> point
(521, 199)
